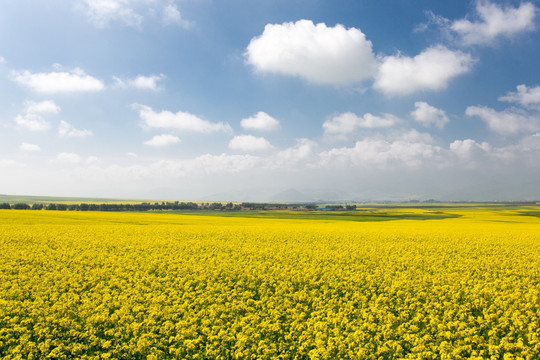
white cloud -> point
(525, 96)
(507, 122)
(380, 153)
(224, 163)
(413, 136)
(93, 160)
(261, 121)
(131, 12)
(249, 143)
(171, 15)
(42, 107)
(531, 142)
(32, 118)
(29, 147)
(2, 60)
(468, 149)
(317, 53)
(65, 129)
(429, 115)
(68, 157)
(147, 82)
(178, 121)
(430, 70)
(163, 140)
(140, 82)
(101, 12)
(348, 122)
(58, 82)
(32, 122)
(495, 21)
(302, 152)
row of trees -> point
(217, 206)
(158, 206)
(122, 207)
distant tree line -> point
(160, 206)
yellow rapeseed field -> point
(92, 285)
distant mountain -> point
(291, 196)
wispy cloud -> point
(33, 116)
(171, 15)
(140, 82)
(67, 130)
(132, 13)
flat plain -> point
(448, 282)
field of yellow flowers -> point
(94, 285)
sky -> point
(278, 100)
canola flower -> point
(168, 286)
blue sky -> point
(270, 100)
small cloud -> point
(429, 115)
(68, 157)
(42, 107)
(162, 140)
(249, 143)
(92, 160)
(349, 122)
(177, 121)
(524, 96)
(119, 83)
(2, 60)
(261, 121)
(66, 130)
(102, 12)
(171, 15)
(140, 82)
(432, 69)
(147, 82)
(495, 21)
(29, 147)
(469, 149)
(434, 20)
(316, 53)
(57, 82)
(506, 122)
(32, 122)
(32, 118)
(132, 154)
